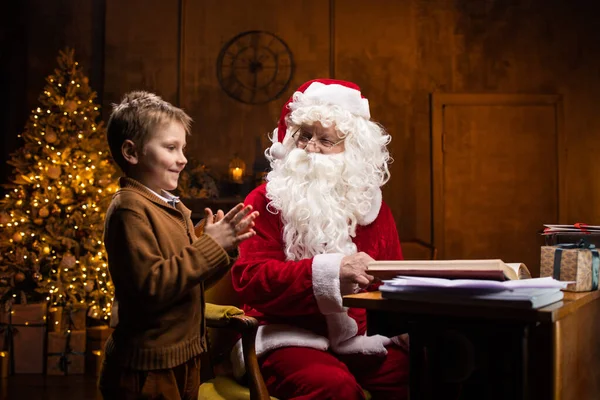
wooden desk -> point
(549, 353)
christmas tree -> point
(51, 219)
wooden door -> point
(496, 174)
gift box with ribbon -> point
(95, 339)
(66, 353)
(23, 333)
(74, 317)
(578, 262)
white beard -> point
(320, 200)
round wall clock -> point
(255, 67)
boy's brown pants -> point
(180, 382)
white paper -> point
(416, 281)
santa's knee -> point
(334, 384)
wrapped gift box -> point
(66, 353)
(572, 237)
(572, 262)
(23, 336)
(74, 317)
(96, 338)
(55, 319)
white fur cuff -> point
(326, 282)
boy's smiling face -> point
(161, 160)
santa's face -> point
(316, 138)
(319, 197)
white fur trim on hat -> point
(345, 97)
(278, 151)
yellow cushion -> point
(216, 312)
(224, 388)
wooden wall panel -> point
(52, 27)
(223, 126)
(496, 168)
(141, 49)
(400, 52)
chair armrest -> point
(233, 318)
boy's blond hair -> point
(137, 116)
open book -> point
(450, 269)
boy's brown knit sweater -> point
(159, 268)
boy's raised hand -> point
(230, 229)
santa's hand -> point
(353, 269)
(370, 345)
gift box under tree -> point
(66, 353)
(578, 262)
(94, 350)
(23, 336)
(68, 317)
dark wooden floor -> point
(42, 387)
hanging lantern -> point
(237, 169)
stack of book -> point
(562, 234)
(466, 282)
(579, 227)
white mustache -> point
(299, 162)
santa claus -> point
(322, 219)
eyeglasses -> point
(303, 138)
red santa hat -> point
(345, 94)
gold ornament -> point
(54, 172)
(50, 135)
(44, 212)
(70, 106)
(38, 221)
(89, 286)
(46, 250)
(4, 218)
(68, 261)
(17, 237)
(19, 277)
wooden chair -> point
(225, 324)
(417, 249)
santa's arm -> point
(264, 280)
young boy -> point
(159, 267)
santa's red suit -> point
(322, 203)
(299, 304)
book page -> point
(520, 269)
(410, 281)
